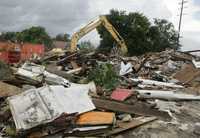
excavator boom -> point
(93, 25)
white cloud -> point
(151, 8)
(190, 29)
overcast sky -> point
(67, 16)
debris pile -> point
(91, 94)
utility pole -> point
(180, 19)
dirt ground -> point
(185, 124)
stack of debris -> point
(78, 94)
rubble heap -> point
(92, 94)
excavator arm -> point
(93, 25)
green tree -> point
(36, 35)
(62, 37)
(163, 35)
(11, 36)
(139, 34)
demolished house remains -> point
(128, 96)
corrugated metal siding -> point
(28, 50)
(14, 56)
(4, 56)
(12, 53)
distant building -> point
(10, 52)
(28, 50)
(61, 44)
(13, 53)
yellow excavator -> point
(93, 25)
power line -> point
(183, 2)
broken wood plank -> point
(62, 61)
(133, 124)
(138, 108)
(74, 65)
(38, 134)
(142, 64)
(96, 118)
(181, 57)
(88, 133)
(74, 70)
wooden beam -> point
(129, 125)
(138, 108)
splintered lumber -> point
(122, 126)
(77, 70)
(142, 64)
(62, 61)
(138, 108)
(181, 56)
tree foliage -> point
(11, 36)
(163, 35)
(62, 37)
(139, 33)
(35, 35)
